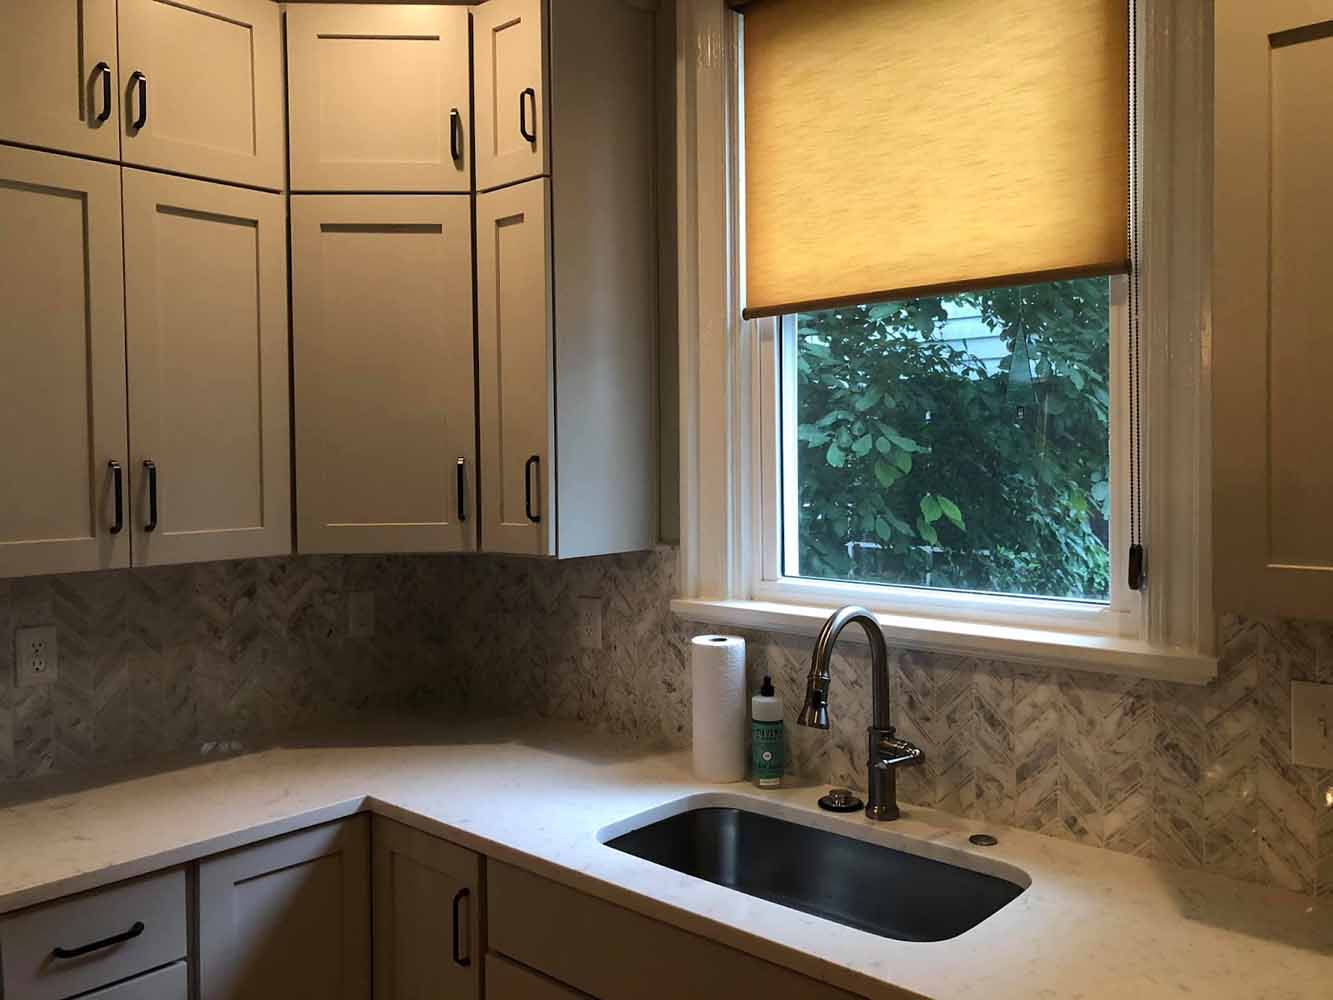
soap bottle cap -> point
(766, 689)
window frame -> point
(730, 475)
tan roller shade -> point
(906, 147)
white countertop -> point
(1092, 924)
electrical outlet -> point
(361, 614)
(590, 622)
(37, 656)
(1312, 724)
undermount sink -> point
(855, 882)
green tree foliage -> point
(917, 465)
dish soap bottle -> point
(766, 737)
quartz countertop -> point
(1091, 924)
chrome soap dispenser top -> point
(886, 752)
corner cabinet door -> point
(427, 905)
(59, 81)
(379, 98)
(202, 89)
(288, 917)
(382, 339)
(62, 366)
(514, 356)
(510, 48)
(206, 313)
(1273, 353)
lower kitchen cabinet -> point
(171, 983)
(288, 917)
(428, 922)
(506, 980)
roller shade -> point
(896, 148)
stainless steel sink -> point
(854, 882)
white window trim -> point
(728, 478)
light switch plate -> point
(36, 656)
(1312, 724)
(590, 622)
(361, 614)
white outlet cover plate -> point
(1312, 724)
(36, 655)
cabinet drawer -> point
(506, 980)
(171, 983)
(29, 938)
(616, 954)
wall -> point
(1194, 776)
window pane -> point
(959, 442)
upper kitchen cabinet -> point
(379, 98)
(206, 317)
(383, 360)
(202, 89)
(62, 366)
(1272, 352)
(567, 299)
(58, 76)
(511, 77)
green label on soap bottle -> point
(766, 763)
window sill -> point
(1071, 650)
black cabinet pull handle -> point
(527, 489)
(462, 489)
(460, 959)
(523, 130)
(105, 71)
(456, 134)
(118, 488)
(140, 80)
(114, 939)
(150, 469)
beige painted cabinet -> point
(202, 89)
(62, 366)
(567, 295)
(1273, 353)
(59, 77)
(288, 917)
(510, 75)
(206, 320)
(379, 98)
(428, 922)
(383, 360)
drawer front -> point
(171, 983)
(506, 980)
(615, 954)
(29, 939)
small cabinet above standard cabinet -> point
(511, 75)
(1272, 351)
(379, 98)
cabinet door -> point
(378, 98)
(1273, 353)
(288, 917)
(514, 353)
(58, 75)
(427, 908)
(170, 983)
(206, 312)
(203, 88)
(382, 340)
(511, 92)
(506, 980)
(62, 365)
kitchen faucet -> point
(887, 752)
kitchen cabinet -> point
(382, 339)
(288, 917)
(1272, 355)
(379, 98)
(202, 89)
(62, 377)
(611, 953)
(506, 980)
(428, 921)
(567, 300)
(206, 321)
(170, 983)
(59, 76)
(510, 76)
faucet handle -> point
(890, 751)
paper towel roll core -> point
(717, 668)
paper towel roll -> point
(717, 665)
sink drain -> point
(982, 840)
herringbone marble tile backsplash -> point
(172, 659)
